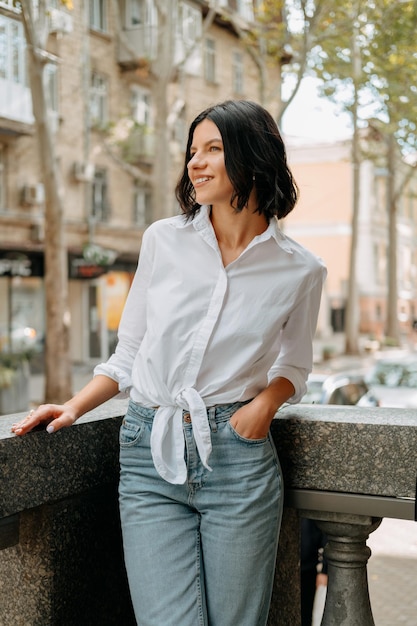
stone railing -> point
(60, 547)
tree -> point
(383, 87)
(391, 70)
(57, 358)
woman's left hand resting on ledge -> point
(57, 416)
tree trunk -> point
(352, 304)
(392, 328)
(57, 358)
(162, 70)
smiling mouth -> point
(202, 179)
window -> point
(134, 13)
(189, 23)
(179, 130)
(11, 5)
(210, 60)
(140, 13)
(51, 91)
(245, 9)
(141, 106)
(12, 51)
(142, 206)
(98, 15)
(98, 100)
(2, 177)
(100, 205)
(237, 70)
(15, 96)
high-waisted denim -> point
(202, 553)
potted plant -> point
(14, 382)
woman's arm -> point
(57, 416)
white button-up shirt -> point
(195, 333)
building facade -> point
(322, 221)
(98, 80)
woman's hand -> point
(252, 420)
(248, 423)
(56, 416)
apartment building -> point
(98, 83)
(322, 221)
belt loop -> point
(212, 418)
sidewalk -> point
(392, 573)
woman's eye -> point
(214, 148)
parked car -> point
(393, 381)
(345, 388)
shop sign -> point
(18, 266)
(81, 268)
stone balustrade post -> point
(346, 552)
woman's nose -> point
(196, 160)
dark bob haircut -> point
(254, 157)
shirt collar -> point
(202, 221)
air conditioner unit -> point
(83, 172)
(60, 21)
(33, 194)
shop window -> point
(100, 205)
(210, 60)
(237, 70)
(98, 99)
(98, 17)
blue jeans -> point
(202, 553)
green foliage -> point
(10, 363)
(368, 51)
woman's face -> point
(206, 167)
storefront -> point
(22, 311)
(96, 298)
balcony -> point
(139, 146)
(16, 117)
(137, 46)
(60, 547)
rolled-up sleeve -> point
(295, 360)
(132, 326)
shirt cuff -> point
(116, 374)
(295, 375)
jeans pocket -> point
(131, 430)
(251, 442)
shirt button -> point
(187, 418)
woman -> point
(215, 336)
